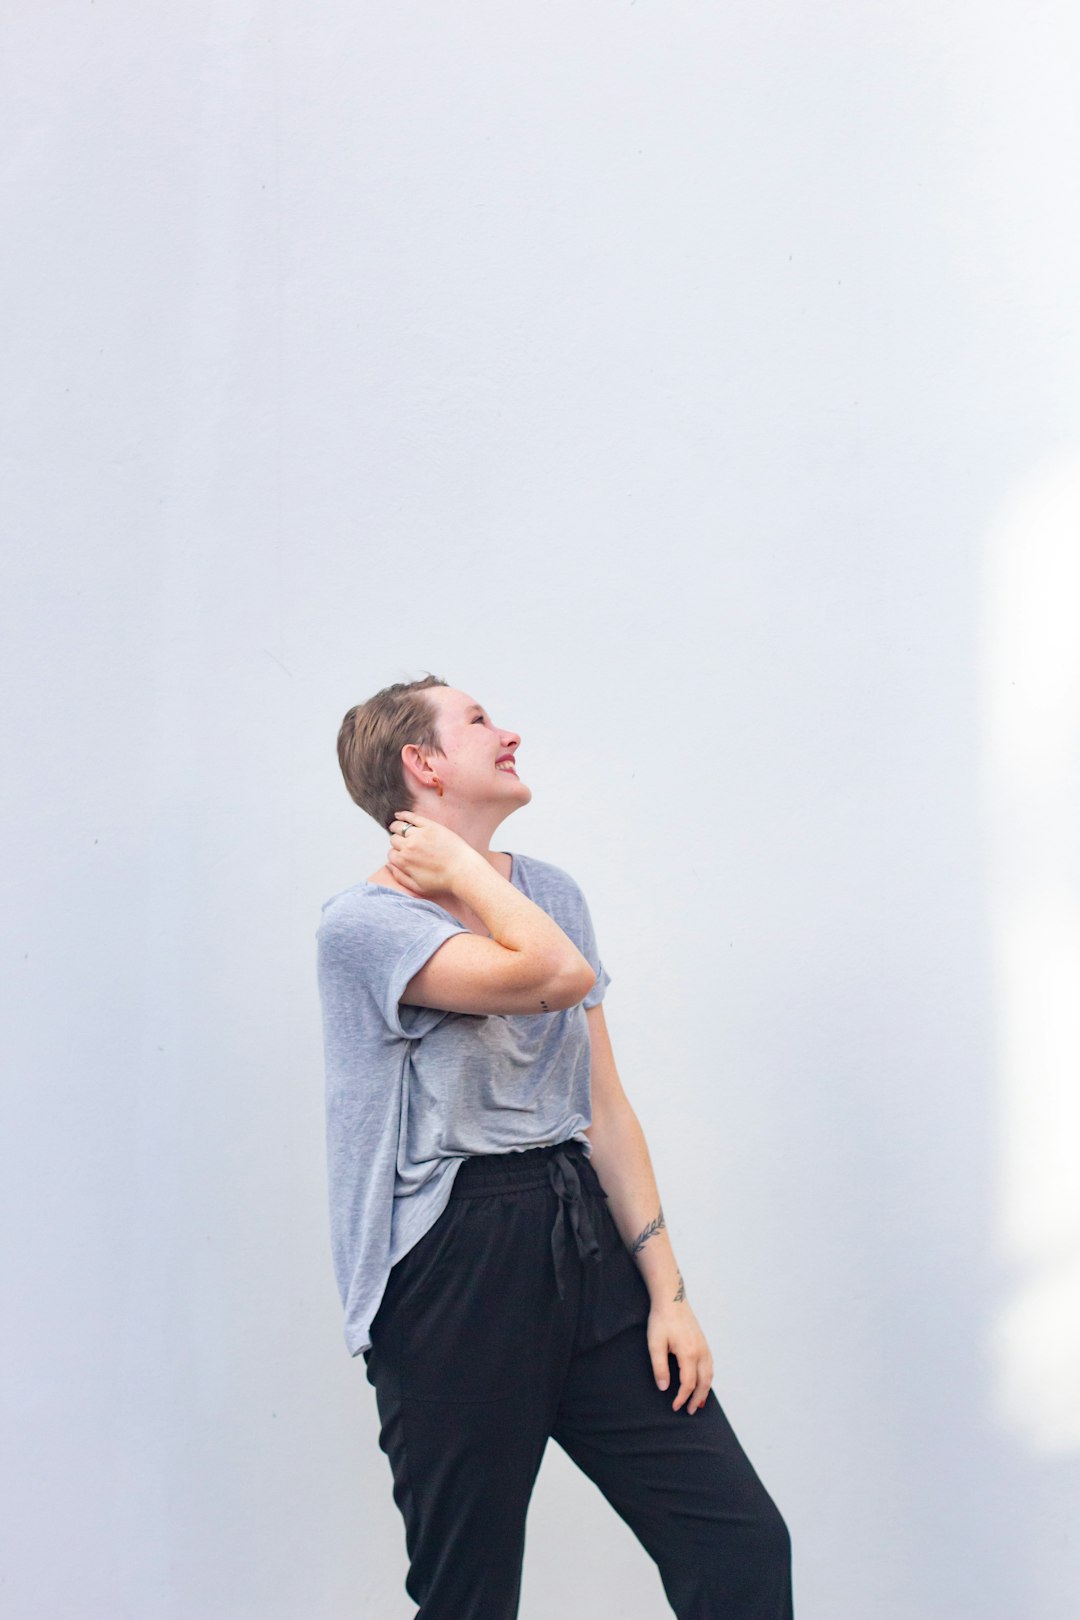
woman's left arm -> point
(620, 1157)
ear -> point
(414, 764)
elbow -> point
(569, 984)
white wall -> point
(697, 386)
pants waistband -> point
(485, 1173)
(565, 1168)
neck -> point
(474, 829)
(476, 826)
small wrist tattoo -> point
(682, 1291)
(544, 1004)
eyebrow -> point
(474, 709)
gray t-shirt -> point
(412, 1091)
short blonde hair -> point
(370, 741)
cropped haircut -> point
(370, 741)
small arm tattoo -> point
(682, 1290)
(647, 1232)
(544, 1004)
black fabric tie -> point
(563, 1175)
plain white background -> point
(696, 386)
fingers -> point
(701, 1389)
(687, 1383)
(401, 854)
(695, 1382)
(695, 1378)
(688, 1377)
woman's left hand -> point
(673, 1329)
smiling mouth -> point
(507, 769)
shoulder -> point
(371, 911)
(544, 877)
(543, 871)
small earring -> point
(438, 784)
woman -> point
(498, 1238)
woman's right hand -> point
(428, 857)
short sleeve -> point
(381, 941)
(591, 953)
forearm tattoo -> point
(544, 1004)
(647, 1232)
(643, 1237)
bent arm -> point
(529, 965)
(620, 1157)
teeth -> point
(505, 765)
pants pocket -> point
(477, 1318)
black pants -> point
(521, 1315)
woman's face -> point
(473, 746)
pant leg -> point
(463, 1476)
(681, 1481)
(468, 1351)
